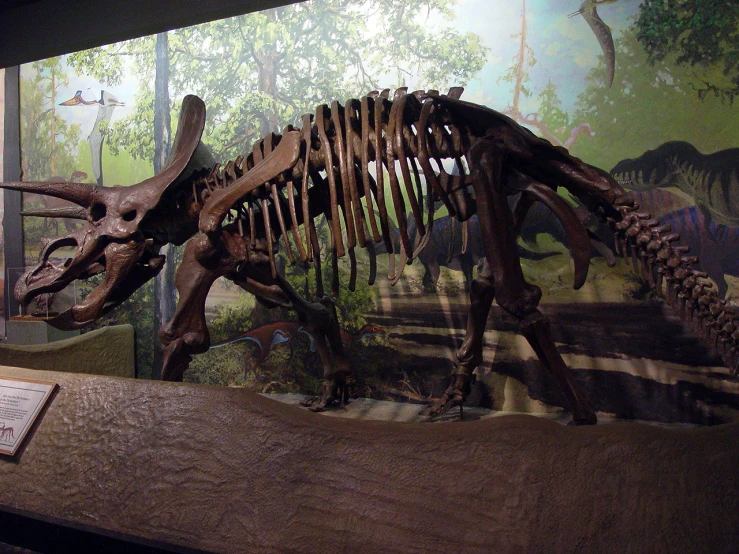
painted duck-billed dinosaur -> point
(233, 217)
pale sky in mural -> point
(565, 49)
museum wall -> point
(2, 203)
(89, 117)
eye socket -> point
(97, 212)
(129, 215)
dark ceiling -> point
(36, 29)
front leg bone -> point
(187, 333)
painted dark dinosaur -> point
(542, 221)
(711, 179)
(232, 219)
(715, 245)
(458, 245)
(659, 201)
(453, 244)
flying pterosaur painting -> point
(602, 33)
(106, 105)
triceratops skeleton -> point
(234, 217)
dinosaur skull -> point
(110, 242)
(115, 240)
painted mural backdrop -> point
(621, 84)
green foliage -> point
(121, 167)
(518, 71)
(135, 132)
(47, 142)
(138, 311)
(701, 34)
(106, 64)
(262, 71)
(648, 104)
(550, 112)
(232, 319)
(351, 306)
(222, 366)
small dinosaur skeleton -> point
(233, 218)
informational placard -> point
(20, 403)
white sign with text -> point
(20, 403)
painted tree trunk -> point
(164, 288)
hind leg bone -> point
(513, 293)
(322, 322)
(509, 286)
(469, 356)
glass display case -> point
(45, 306)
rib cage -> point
(343, 142)
(340, 145)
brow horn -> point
(81, 194)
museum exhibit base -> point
(109, 351)
(226, 470)
(34, 330)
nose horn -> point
(81, 194)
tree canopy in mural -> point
(49, 143)
(702, 34)
(648, 104)
(261, 71)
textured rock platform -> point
(225, 470)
